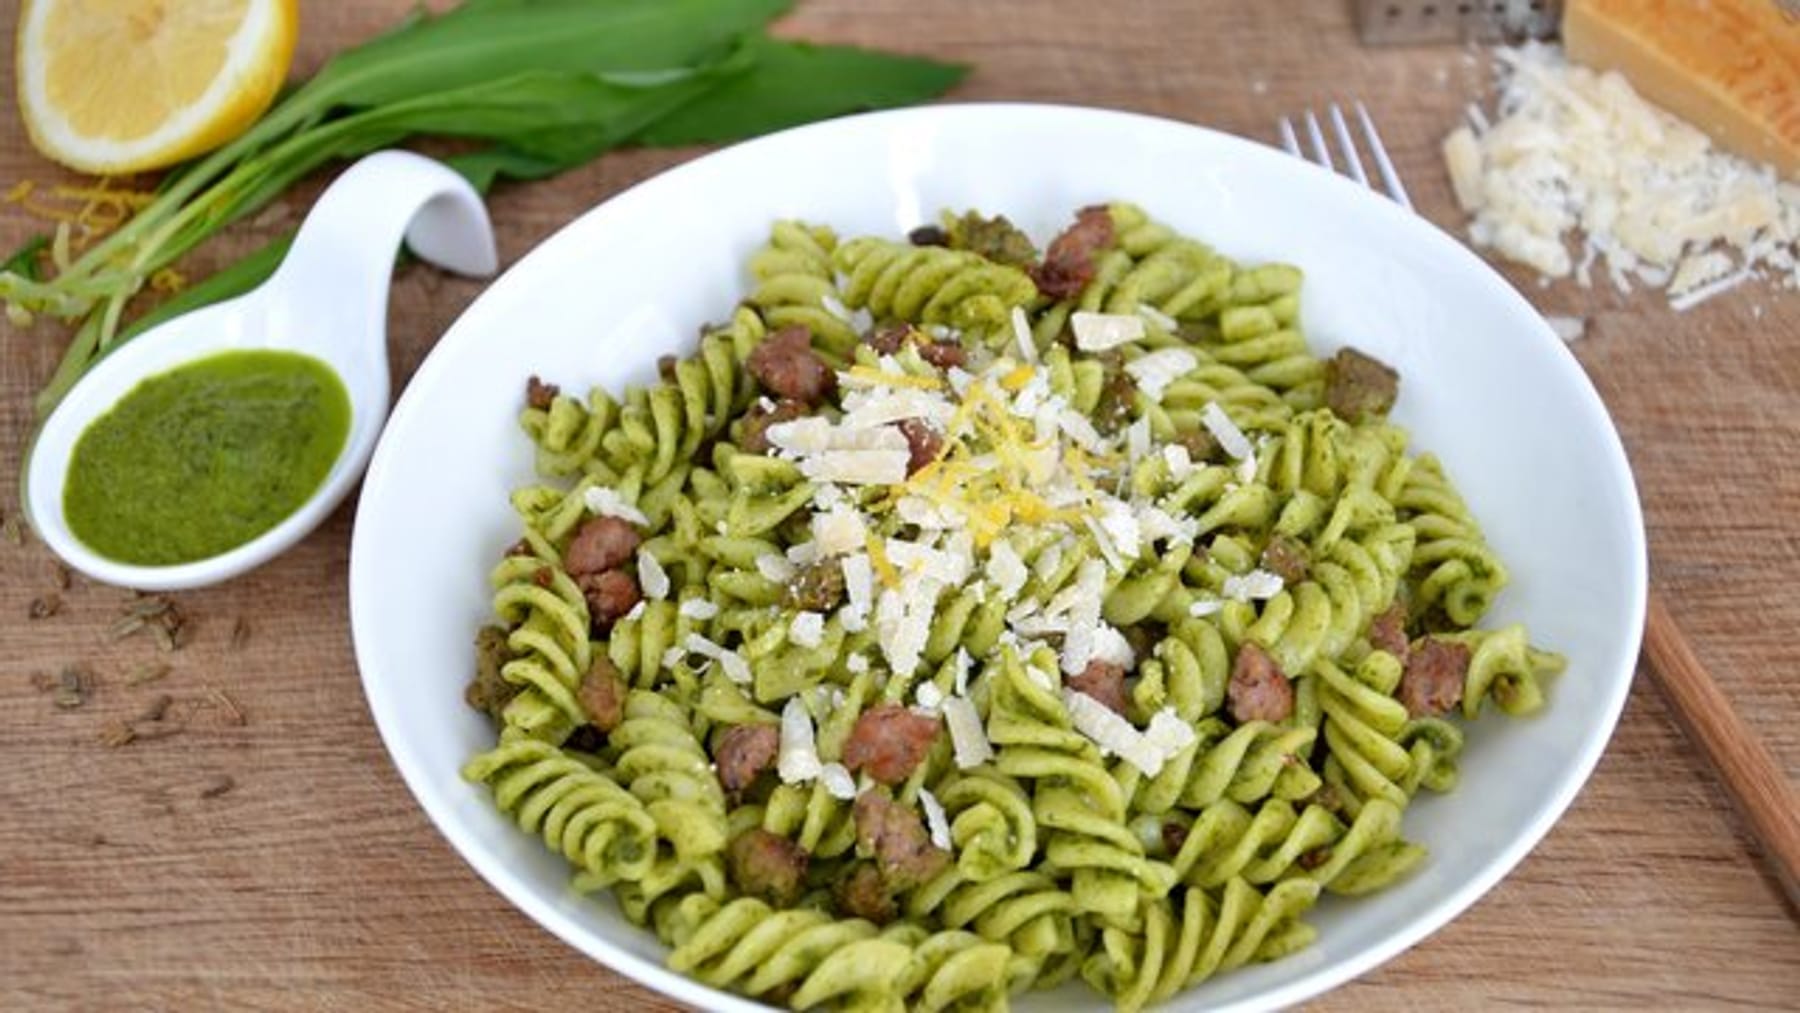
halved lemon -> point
(112, 86)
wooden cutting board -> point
(268, 856)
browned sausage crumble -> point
(1286, 557)
(1433, 681)
(1069, 263)
(897, 839)
(1358, 386)
(1259, 690)
(1387, 632)
(539, 394)
(1104, 681)
(786, 366)
(889, 741)
(601, 543)
(610, 596)
(745, 751)
(767, 866)
(602, 694)
(753, 428)
(923, 444)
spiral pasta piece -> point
(597, 825)
(663, 764)
(1191, 937)
(1453, 568)
(794, 285)
(931, 285)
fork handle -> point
(1743, 763)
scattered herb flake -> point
(217, 785)
(234, 715)
(240, 633)
(73, 685)
(148, 671)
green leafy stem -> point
(541, 86)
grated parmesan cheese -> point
(1257, 584)
(637, 611)
(652, 578)
(807, 629)
(935, 819)
(1113, 734)
(858, 467)
(928, 696)
(1111, 647)
(837, 781)
(1168, 734)
(1084, 616)
(698, 608)
(1154, 372)
(797, 757)
(1576, 152)
(731, 662)
(1567, 328)
(1097, 332)
(1006, 569)
(1230, 437)
(1180, 464)
(968, 739)
(1022, 335)
(835, 307)
(1158, 317)
(775, 568)
(1202, 607)
(608, 503)
(839, 530)
(859, 590)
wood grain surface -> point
(277, 861)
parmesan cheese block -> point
(1730, 67)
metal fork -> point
(1320, 152)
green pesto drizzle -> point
(205, 457)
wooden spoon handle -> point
(1763, 795)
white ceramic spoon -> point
(328, 299)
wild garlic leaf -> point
(797, 82)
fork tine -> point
(1316, 140)
(1389, 178)
(1288, 140)
(1342, 130)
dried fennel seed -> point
(60, 576)
(240, 633)
(217, 785)
(13, 529)
(45, 605)
(156, 722)
(234, 715)
(73, 684)
(156, 613)
(147, 671)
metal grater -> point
(1413, 22)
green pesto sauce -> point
(205, 457)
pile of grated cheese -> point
(1022, 480)
(1654, 203)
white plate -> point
(1485, 384)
